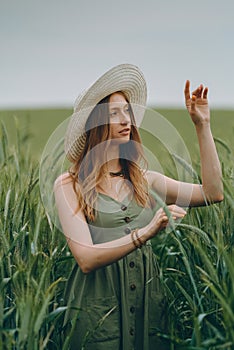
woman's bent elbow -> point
(85, 269)
(216, 197)
(86, 266)
(219, 198)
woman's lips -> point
(124, 131)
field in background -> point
(196, 259)
(40, 124)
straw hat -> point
(126, 78)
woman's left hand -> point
(197, 105)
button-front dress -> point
(120, 306)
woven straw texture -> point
(126, 78)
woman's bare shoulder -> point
(63, 179)
(151, 176)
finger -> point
(200, 90)
(177, 216)
(164, 219)
(163, 223)
(205, 92)
(187, 90)
(179, 212)
(175, 208)
(161, 212)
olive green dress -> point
(120, 306)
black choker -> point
(119, 173)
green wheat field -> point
(196, 258)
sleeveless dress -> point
(121, 306)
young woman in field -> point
(107, 205)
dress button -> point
(127, 219)
(131, 331)
(123, 207)
(131, 264)
(132, 309)
(127, 230)
(133, 286)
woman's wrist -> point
(145, 234)
(139, 237)
(205, 125)
(136, 239)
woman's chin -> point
(120, 140)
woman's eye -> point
(113, 114)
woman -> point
(109, 208)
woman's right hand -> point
(161, 220)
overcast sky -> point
(53, 49)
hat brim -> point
(126, 78)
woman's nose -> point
(125, 118)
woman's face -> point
(119, 117)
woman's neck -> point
(113, 166)
(113, 161)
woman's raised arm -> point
(211, 174)
(211, 190)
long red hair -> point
(88, 169)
